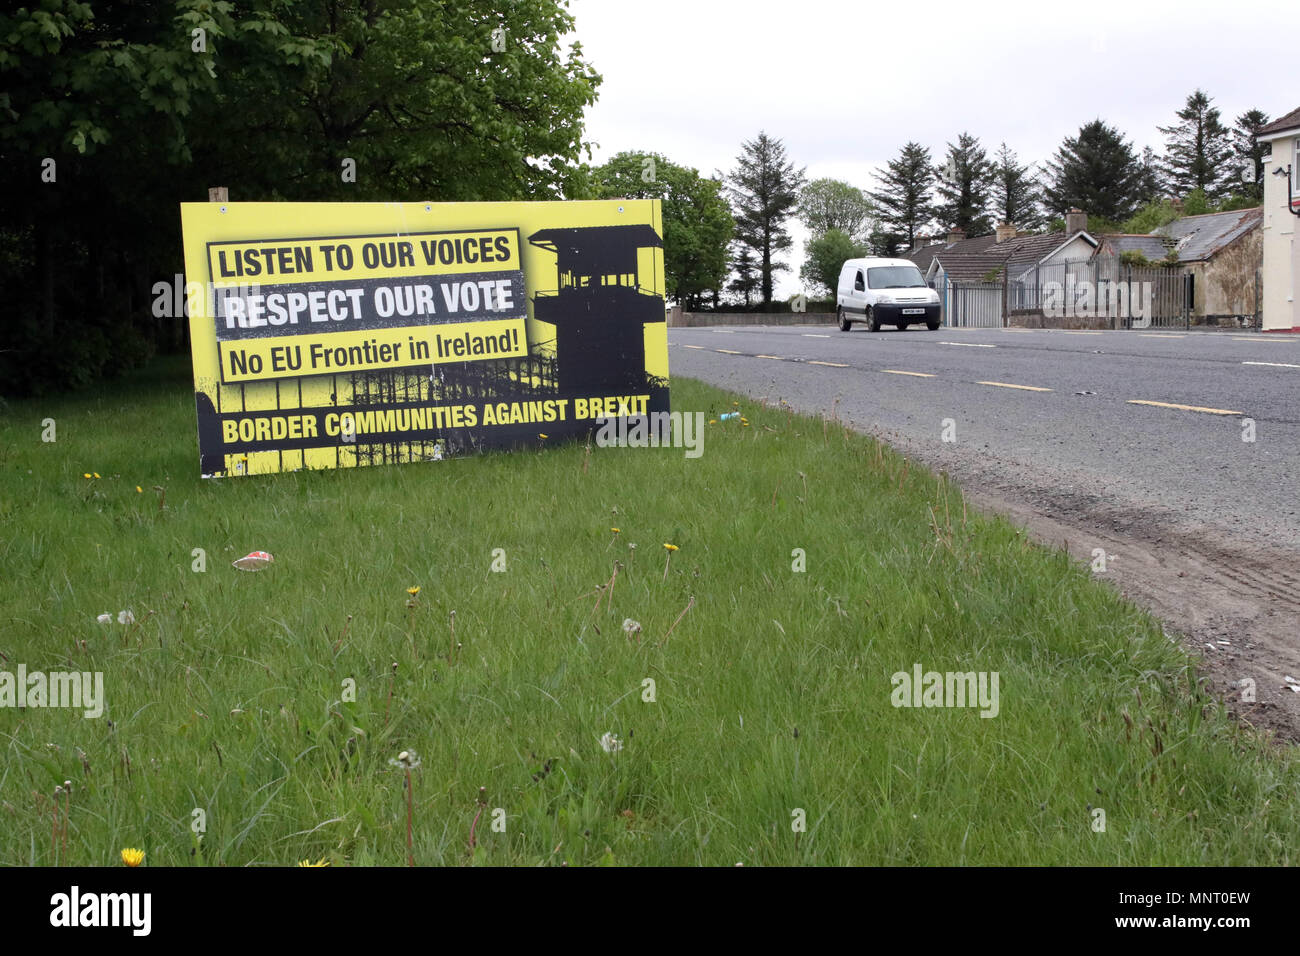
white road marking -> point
(813, 335)
(1023, 388)
(1185, 408)
(894, 371)
(1161, 335)
(971, 345)
(1273, 364)
(1079, 332)
(693, 347)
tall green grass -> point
(772, 694)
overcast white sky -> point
(845, 84)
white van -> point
(885, 292)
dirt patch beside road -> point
(1235, 606)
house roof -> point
(973, 258)
(1197, 238)
(958, 266)
(1282, 124)
(1154, 248)
(925, 255)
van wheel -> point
(875, 322)
(933, 326)
(845, 323)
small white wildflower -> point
(611, 744)
(125, 617)
(631, 627)
(105, 619)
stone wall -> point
(677, 319)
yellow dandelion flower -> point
(413, 591)
(615, 530)
(713, 421)
(139, 490)
(132, 857)
(543, 435)
(321, 862)
(670, 547)
(86, 475)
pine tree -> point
(1015, 192)
(963, 201)
(1147, 186)
(746, 280)
(1095, 171)
(1197, 150)
(1249, 153)
(764, 190)
(904, 199)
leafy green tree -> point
(1197, 150)
(1015, 192)
(904, 199)
(141, 106)
(1250, 153)
(1148, 187)
(697, 220)
(964, 200)
(1095, 171)
(826, 204)
(764, 190)
(825, 256)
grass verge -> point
(769, 703)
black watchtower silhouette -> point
(599, 308)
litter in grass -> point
(253, 561)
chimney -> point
(1076, 220)
(1005, 231)
(956, 234)
(919, 243)
(1177, 204)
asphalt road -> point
(1080, 433)
(1131, 442)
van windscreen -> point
(895, 277)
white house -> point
(1281, 297)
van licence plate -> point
(914, 311)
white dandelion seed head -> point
(630, 626)
(406, 760)
(125, 617)
(610, 743)
(105, 619)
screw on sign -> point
(254, 561)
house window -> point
(1295, 169)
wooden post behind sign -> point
(218, 194)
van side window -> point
(858, 284)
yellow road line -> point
(727, 351)
(894, 371)
(777, 357)
(693, 347)
(1023, 388)
(1184, 408)
(831, 364)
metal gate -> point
(972, 304)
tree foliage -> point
(963, 202)
(764, 190)
(905, 197)
(142, 106)
(825, 256)
(1250, 153)
(1095, 171)
(826, 204)
(1016, 197)
(1197, 149)
(697, 220)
